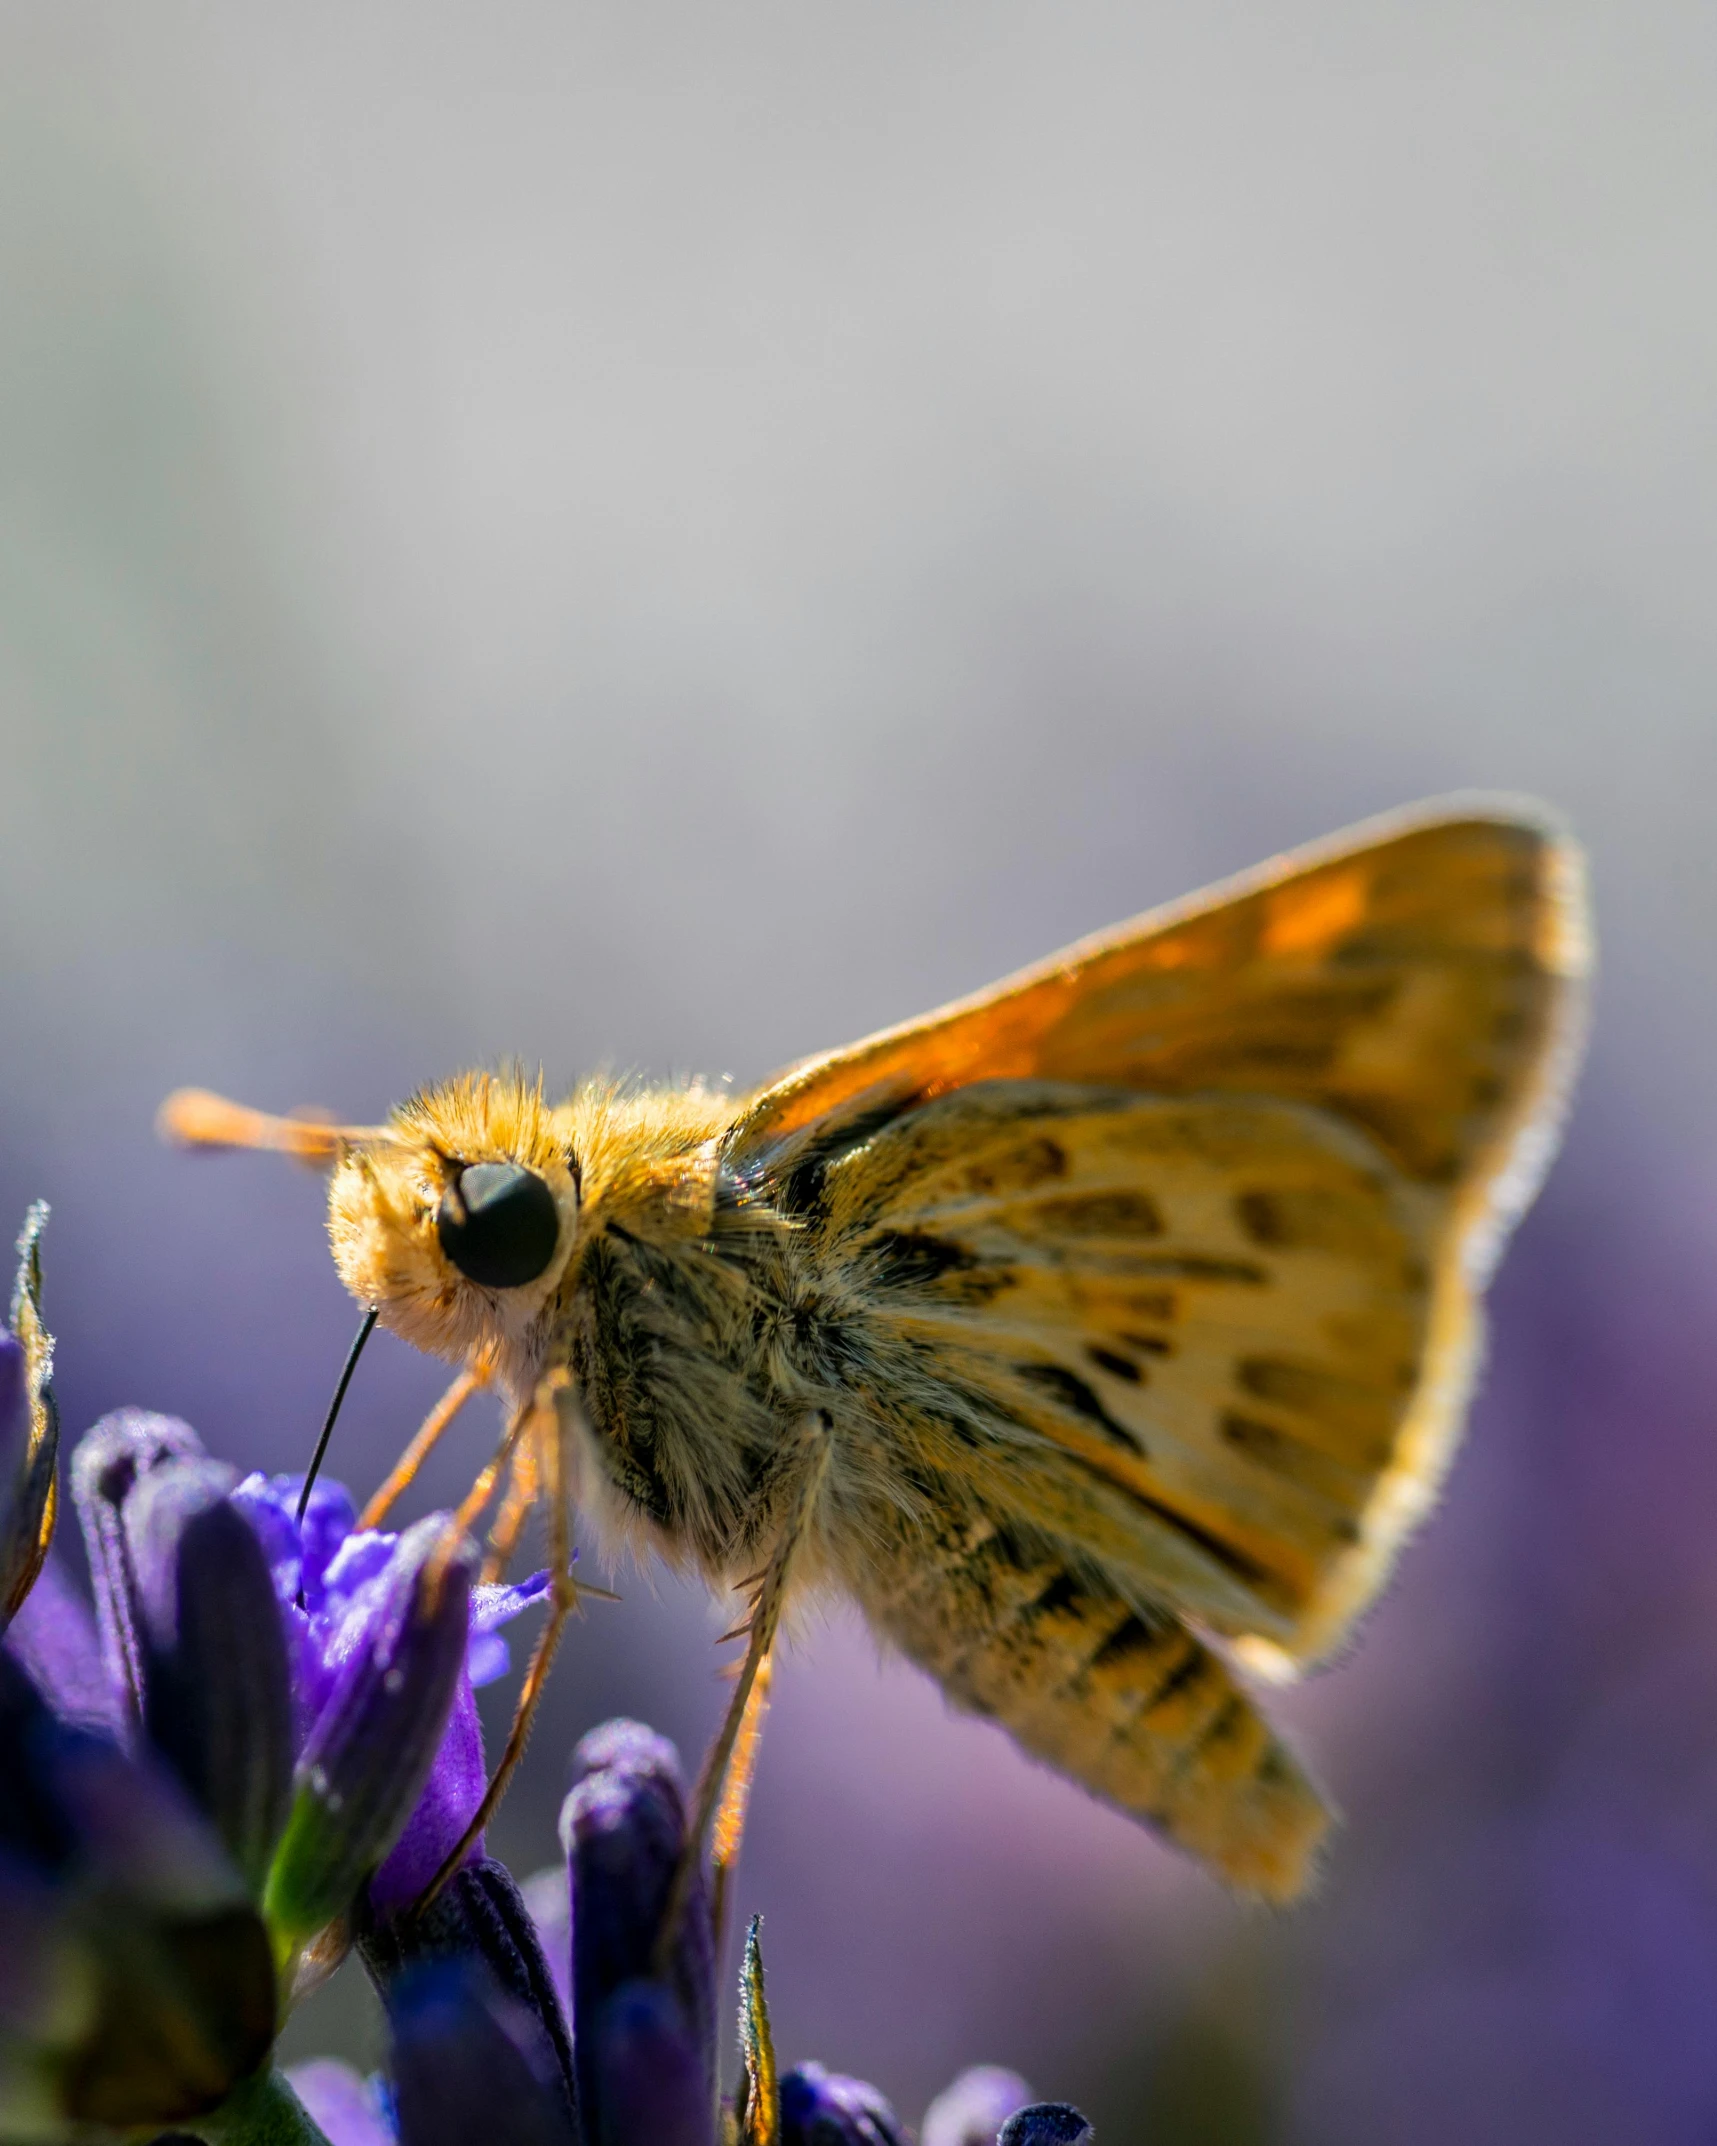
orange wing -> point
(1418, 976)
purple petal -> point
(54, 1638)
(449, 1802)
(357, 1561)
(492, 1607)
(297, 1560)
(487, 1659)
(975, 2107)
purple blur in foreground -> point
(975, 2107)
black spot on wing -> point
(914, 1259)
(1063, 1593)
(1131, 1636)
(1033, 1162)
(1212, 1546)
(1117, 1365)
(1099, 1214)
(1079, 1399)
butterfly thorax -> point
(701, 1323)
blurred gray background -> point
(670, 536)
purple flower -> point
(347, 1579)
(394, 1668)
(820, 2108)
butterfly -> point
(1102, 1336)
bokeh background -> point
(670, 535)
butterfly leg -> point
(412, 1459)
(735, 1798)
(524, 1484)
(724, 1780)
(548, 1430)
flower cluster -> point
(259, 1747)
(547, 2015)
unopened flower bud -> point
(820, 2108)
(623, 1827)
(470, 2063)
(109, 1463)
(480, 1915)
(651, 2082)
(217, 1698)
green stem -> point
(263, 2111)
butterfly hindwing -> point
(1200, 1338)
(1119, 1695)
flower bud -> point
(217, 1700)
(481, 1915)
(623, 1827)
(820, 2108)
(651, 2083)
(29, 1430)
(397, 1661)
(109, 1462)
(469, 2063)
(1046, 2123)
(975, 2107)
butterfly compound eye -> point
(498, 1224)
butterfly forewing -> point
(1417, 983)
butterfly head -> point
(457, 1221)
(454, 1221)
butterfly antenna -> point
(316, 1458)
(196, 1118)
